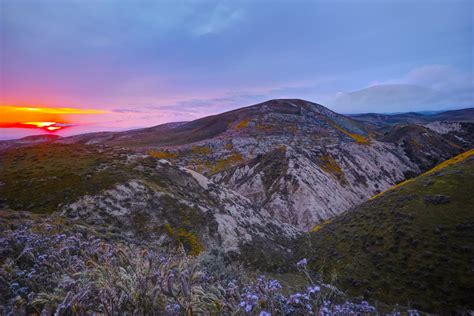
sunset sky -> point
(132, 64)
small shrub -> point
(162, 154)
(201, 150)
(242, 124)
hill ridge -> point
(413, 243)
(456, 159)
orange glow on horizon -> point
(45, 118)
(47, 126)
(51, 110)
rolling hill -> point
(133, 197)
(252, 121)
(412, 244)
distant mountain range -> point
(381, 120)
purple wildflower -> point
(413, 312)
(302, 263)
(173, 308)
(313, 289)
(274, 285)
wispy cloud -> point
(219, 18)
(121, 110)
(436, 77)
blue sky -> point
(150, 62)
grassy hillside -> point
(39, 178)
(412, 245)
(44, 178)
(132, 197)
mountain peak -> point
(291, 105)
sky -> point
(143, 63)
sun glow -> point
(44, 118)
(47, 126)
(52, 110)
(40, 124)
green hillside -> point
(413, 244)
(42, 177)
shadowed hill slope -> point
(425, 147)
(411, 244)
(265, 115)
(28, 141)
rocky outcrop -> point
(305, 187)
(177, 203)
